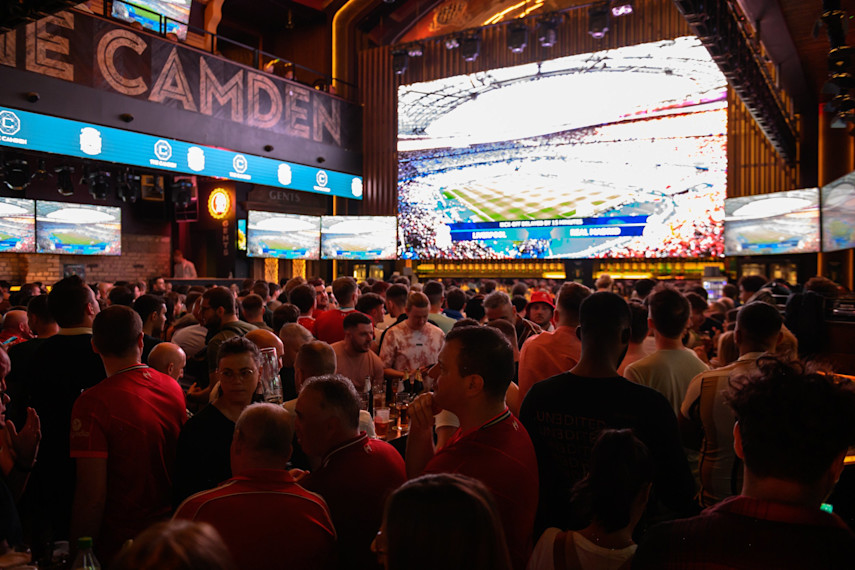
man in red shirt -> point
(123, 436)
(15, 328)
(329, 325)
(265, 518)
(303, 297)
(474, 370)
(356, 472)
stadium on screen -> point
(838, 213)
(17, 225)
(79, 229)
(283, 236)
(768, 224)
(617, 153)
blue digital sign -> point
(31, 131)
(551, 239)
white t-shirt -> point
(669, 372)
(591, 556)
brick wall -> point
(143, 257)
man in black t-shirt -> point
(565, 414)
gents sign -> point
(86, 50)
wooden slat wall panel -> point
(753, 166)
(378, 86)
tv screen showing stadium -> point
(838, 214)
(616, 153)
(781, 222)
(17, 225)
(79, 229)
(359, 237)
(284, 236)
(173, 15)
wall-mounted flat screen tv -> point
(79, 229)
(616, 153)
(284, 236)
(17, 225)
(173, 15)
(768, 224)
(838, 213)
(359, 237)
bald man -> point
(293, 336)
(15, 328)
(261, 512)
(168, 358)
(267, 339)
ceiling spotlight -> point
(16, 174)
(129, 187)
(840, 58)
(470, 47)
(416, 50)
(843, 80)
(289, 20)
(64, 183)
(41, 172)
(451, 43)
(99, 184)
(547, 32)
(598, 21)
(182, 192)
(518, 37)
(400, 61)
(621, 8)
(84, 175)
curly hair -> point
(793, 422)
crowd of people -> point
(542, 425)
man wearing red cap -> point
(540, 310)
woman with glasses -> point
(202, 460)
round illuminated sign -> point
(219, 204)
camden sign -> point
(95, 52)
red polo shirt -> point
(500, 455)
(355, 479)
(267, 520)
(329, 325)
(132, 419)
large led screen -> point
(359, 237)
(80, 229)
(174, 14)
(781, 222)
(838, 214)
(617, 153)
(17, 225)
(284, 236)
